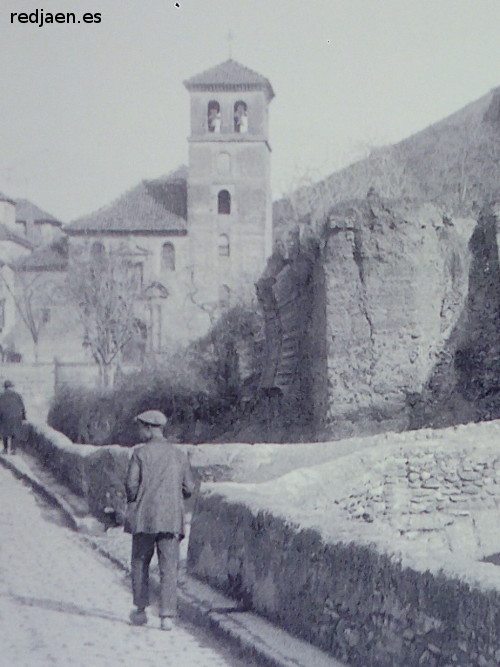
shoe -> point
(166, 623)
(138, 617)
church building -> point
(195, 241)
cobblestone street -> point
(62, 605)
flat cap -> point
(152, 417)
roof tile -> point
(230, 75)
(152, 206)
(27, 211)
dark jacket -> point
(159, 477)
(12, 413)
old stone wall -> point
(396, 285)
(464, 383)
(346, 598)
(357, 323)
(97, 473)
(292, 358)
(324, 550)
(447, 496)
(383, 556)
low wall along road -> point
(374, 555)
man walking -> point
(159, 477)
(12, 414)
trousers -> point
(9, 444)
(167, 548)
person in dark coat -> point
(159, 477)
(12, 414)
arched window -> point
(224, 202)
(224, 296)
(168, 257)
(223, 245)
(213, 116)
(240, 117)
(97, 252)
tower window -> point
(214, 117)
(223, 245)
(240, 117)
(168, 257)
(224, 202)
(224, 296)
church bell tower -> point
(229, 192)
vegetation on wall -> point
(454, 163)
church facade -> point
(194, 241)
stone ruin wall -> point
(434, 493)
(286, 294)
(463, 386)
(396, 285)
(357, 324)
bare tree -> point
(106, 296)
(33, 298)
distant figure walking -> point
(159, 477)
(12, 414)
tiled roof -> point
(230, 75)
(27, 211)
(7, 235)
(153, 206)
(53, 257)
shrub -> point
(202, 389)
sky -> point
(89, 110)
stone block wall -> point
(383, 556)
(429, 490)
(361, 605)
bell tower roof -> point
(230, 75)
